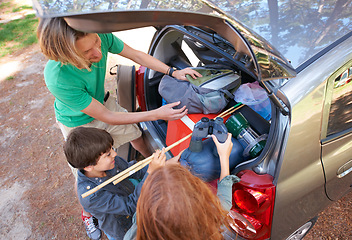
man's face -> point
(106, 161)
(90, 47)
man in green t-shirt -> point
(75, 75)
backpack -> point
(207, 94)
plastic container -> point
(254, 96)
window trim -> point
(327, 106)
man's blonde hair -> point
(57, 41)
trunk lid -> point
(262, 60)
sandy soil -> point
(37, 194)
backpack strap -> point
(227, 93)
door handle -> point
(344, 169)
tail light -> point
(253, 204)
(140, 88)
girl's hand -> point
(224, 151)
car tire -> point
(301, 232)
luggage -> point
(207, 94)
(206, 164)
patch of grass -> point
(18, 34)
(5, 5)
(10, 78)
(20, 8)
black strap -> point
(111, 70)
(171, 71)
(227, 93)
(107, 95)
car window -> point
(340, 114)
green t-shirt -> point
(74, 88)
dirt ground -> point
(37, 193)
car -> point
(344, 78)
(295, 50)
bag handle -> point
(227, 93)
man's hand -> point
(181, 74)
(167, 112)
(159, 159)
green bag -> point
(216, 79)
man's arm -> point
(98, 111)
(153, 63)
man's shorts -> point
(120, 133)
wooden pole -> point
(129, 171)
(139, 165)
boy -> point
(90, 151)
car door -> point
(337, 135)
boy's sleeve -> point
(139, 174)
(107, 202)
(123, 164)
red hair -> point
(176, 205)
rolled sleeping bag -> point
(206, 164)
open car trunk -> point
(187, 46)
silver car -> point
(296, 51)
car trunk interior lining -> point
(210, 51)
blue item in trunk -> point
(206, 164)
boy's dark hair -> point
(85, 145)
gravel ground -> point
(335, 223)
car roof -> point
(297, 29)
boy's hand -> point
(159, 159)
(224, 151)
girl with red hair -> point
(176, 205)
